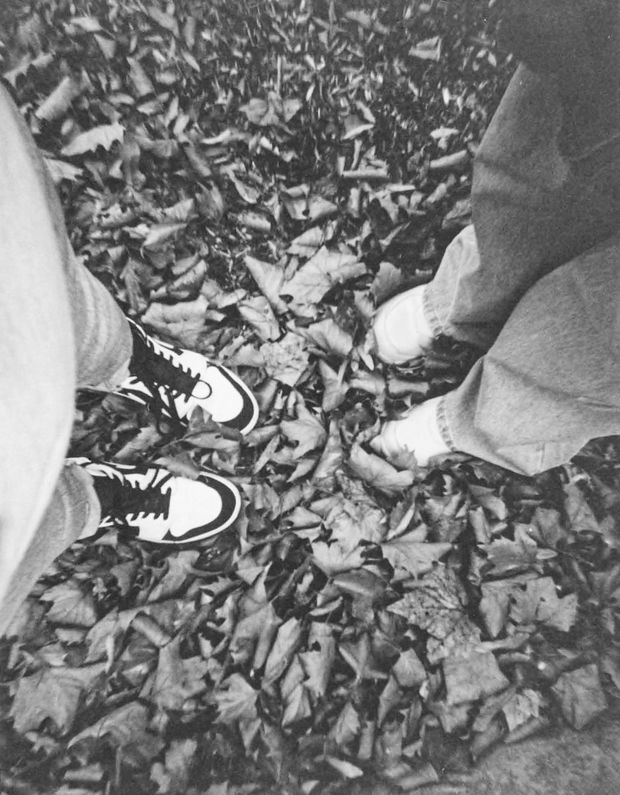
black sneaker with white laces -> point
(152, 504)
(172, 381)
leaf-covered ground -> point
(251, 179)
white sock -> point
(401, 328)
(417, 433)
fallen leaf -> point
(579, 515)
(377, 472)
(249, 630)
(60, 170)
(521, 708)
(347, 769)
(490, 501)
(386, 283)
(366, 21)
(330, 337)
(59, 101)
(309, 241)
(138, 76)
(436, 604)
(42, 61)
(322, 271)
(105, 135)
(415, 557)
(177, 678)
(269, 279)
(580, 695)
(539, 602)
(164, 20)
(408, 669)
(235, 699)
(510, 556)
(125, 727)
(347, 726)
(294, 695)
(351, 522)
(262, 112)
(359, 655)
(51, 693)
(172, 776)
(331, 459)
(183, 321)
(336, 557)
(290, 108)
(473, 677)
(71, 604)
(317, 662)
(307, 431)
(335, 390)
(286, 641)
(285, 360)
(427, 50)
(158, 234)
(258, 313)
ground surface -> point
(251, 179)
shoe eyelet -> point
(202, 391)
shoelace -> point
(122, 500)
(153, 369)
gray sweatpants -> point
(59, 329)
(537, 286)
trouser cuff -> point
(443, 425)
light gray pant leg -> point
(551, 380)
(58, 328)
(534, 208)
(73, 509)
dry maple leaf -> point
(414, 556)
(377, 472)
(235, 699)
(51, 693)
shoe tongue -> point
(153, 366)
(123, 497)
(108, 490)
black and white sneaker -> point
(154, 505)
(173, 381)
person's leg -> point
(546, 189)
(58, 327)
(534, 208)
(73, 510)
(551, 381)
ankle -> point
(419, 433)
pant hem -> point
(443, 425)
(430, 313)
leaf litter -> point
(251, 181)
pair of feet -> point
(401, 333)
(149, 502)
(154, 505)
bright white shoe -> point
(417, 433)
(401, 329)
(173, 381)
(154, 505)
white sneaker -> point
(173, 381)
(416, 433)
(154, 505)
(401, 329)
